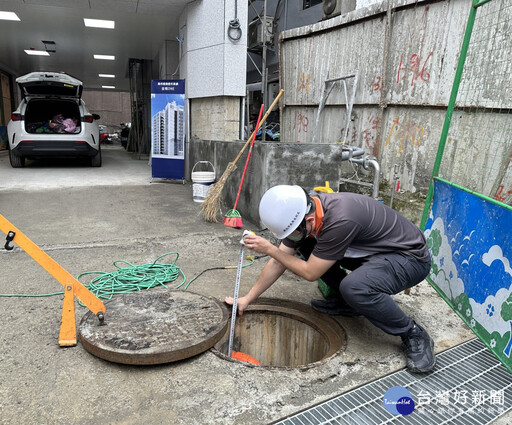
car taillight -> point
(15, 117)
(88, 118)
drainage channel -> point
(468, 386)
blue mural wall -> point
(470, 241)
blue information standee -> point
(168, 129)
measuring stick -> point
(235, 301)
(235, 296)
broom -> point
(211, 205)
(233, 217)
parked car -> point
(104, 135)
(52, 120)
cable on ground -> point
(132, 278)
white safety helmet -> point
(282, 209)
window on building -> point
(306, 4)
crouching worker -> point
(384, 251)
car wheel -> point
(16, 160)
(96, 159)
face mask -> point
(299, 234)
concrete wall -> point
(410, 76)
(366, 3)
(289, 14)
(270, 164)
(113, 107)
(218, 115)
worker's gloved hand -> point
(257, 243)
(241, 304)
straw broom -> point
(210, 208)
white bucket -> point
(201, 182)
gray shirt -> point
(364, 226)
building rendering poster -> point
(168, 129)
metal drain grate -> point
(468, 386)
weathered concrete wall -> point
(403, 86)
(112, 107)
(270, 164)
(215, 117)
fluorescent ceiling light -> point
(9, 16)
(37, 52)
(107, 75)
(99, 23)
(106, 57)
(108, 87)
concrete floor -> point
(87, 218)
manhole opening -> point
(284, 334)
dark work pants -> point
(367, 289)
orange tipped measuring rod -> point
(72, 287)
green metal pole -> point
(449, 111)
(485, 198)
(478, 3)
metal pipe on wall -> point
(366, 163)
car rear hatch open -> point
(52, 100)
(43, 84)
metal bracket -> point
(327, 87)
(9, 238)
(72, 287)
(67, 335)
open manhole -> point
(284, 334)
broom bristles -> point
(211, 205)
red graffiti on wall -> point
(369, 133)
(352, 136)
(301, 123)
(303, 82)
(413, 67)
(502, 195)
(405, 132)
(418, 30)
(376, 85)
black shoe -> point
(419, 348)
(333, 306)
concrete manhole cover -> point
(145, 328)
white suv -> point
(52, 120)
